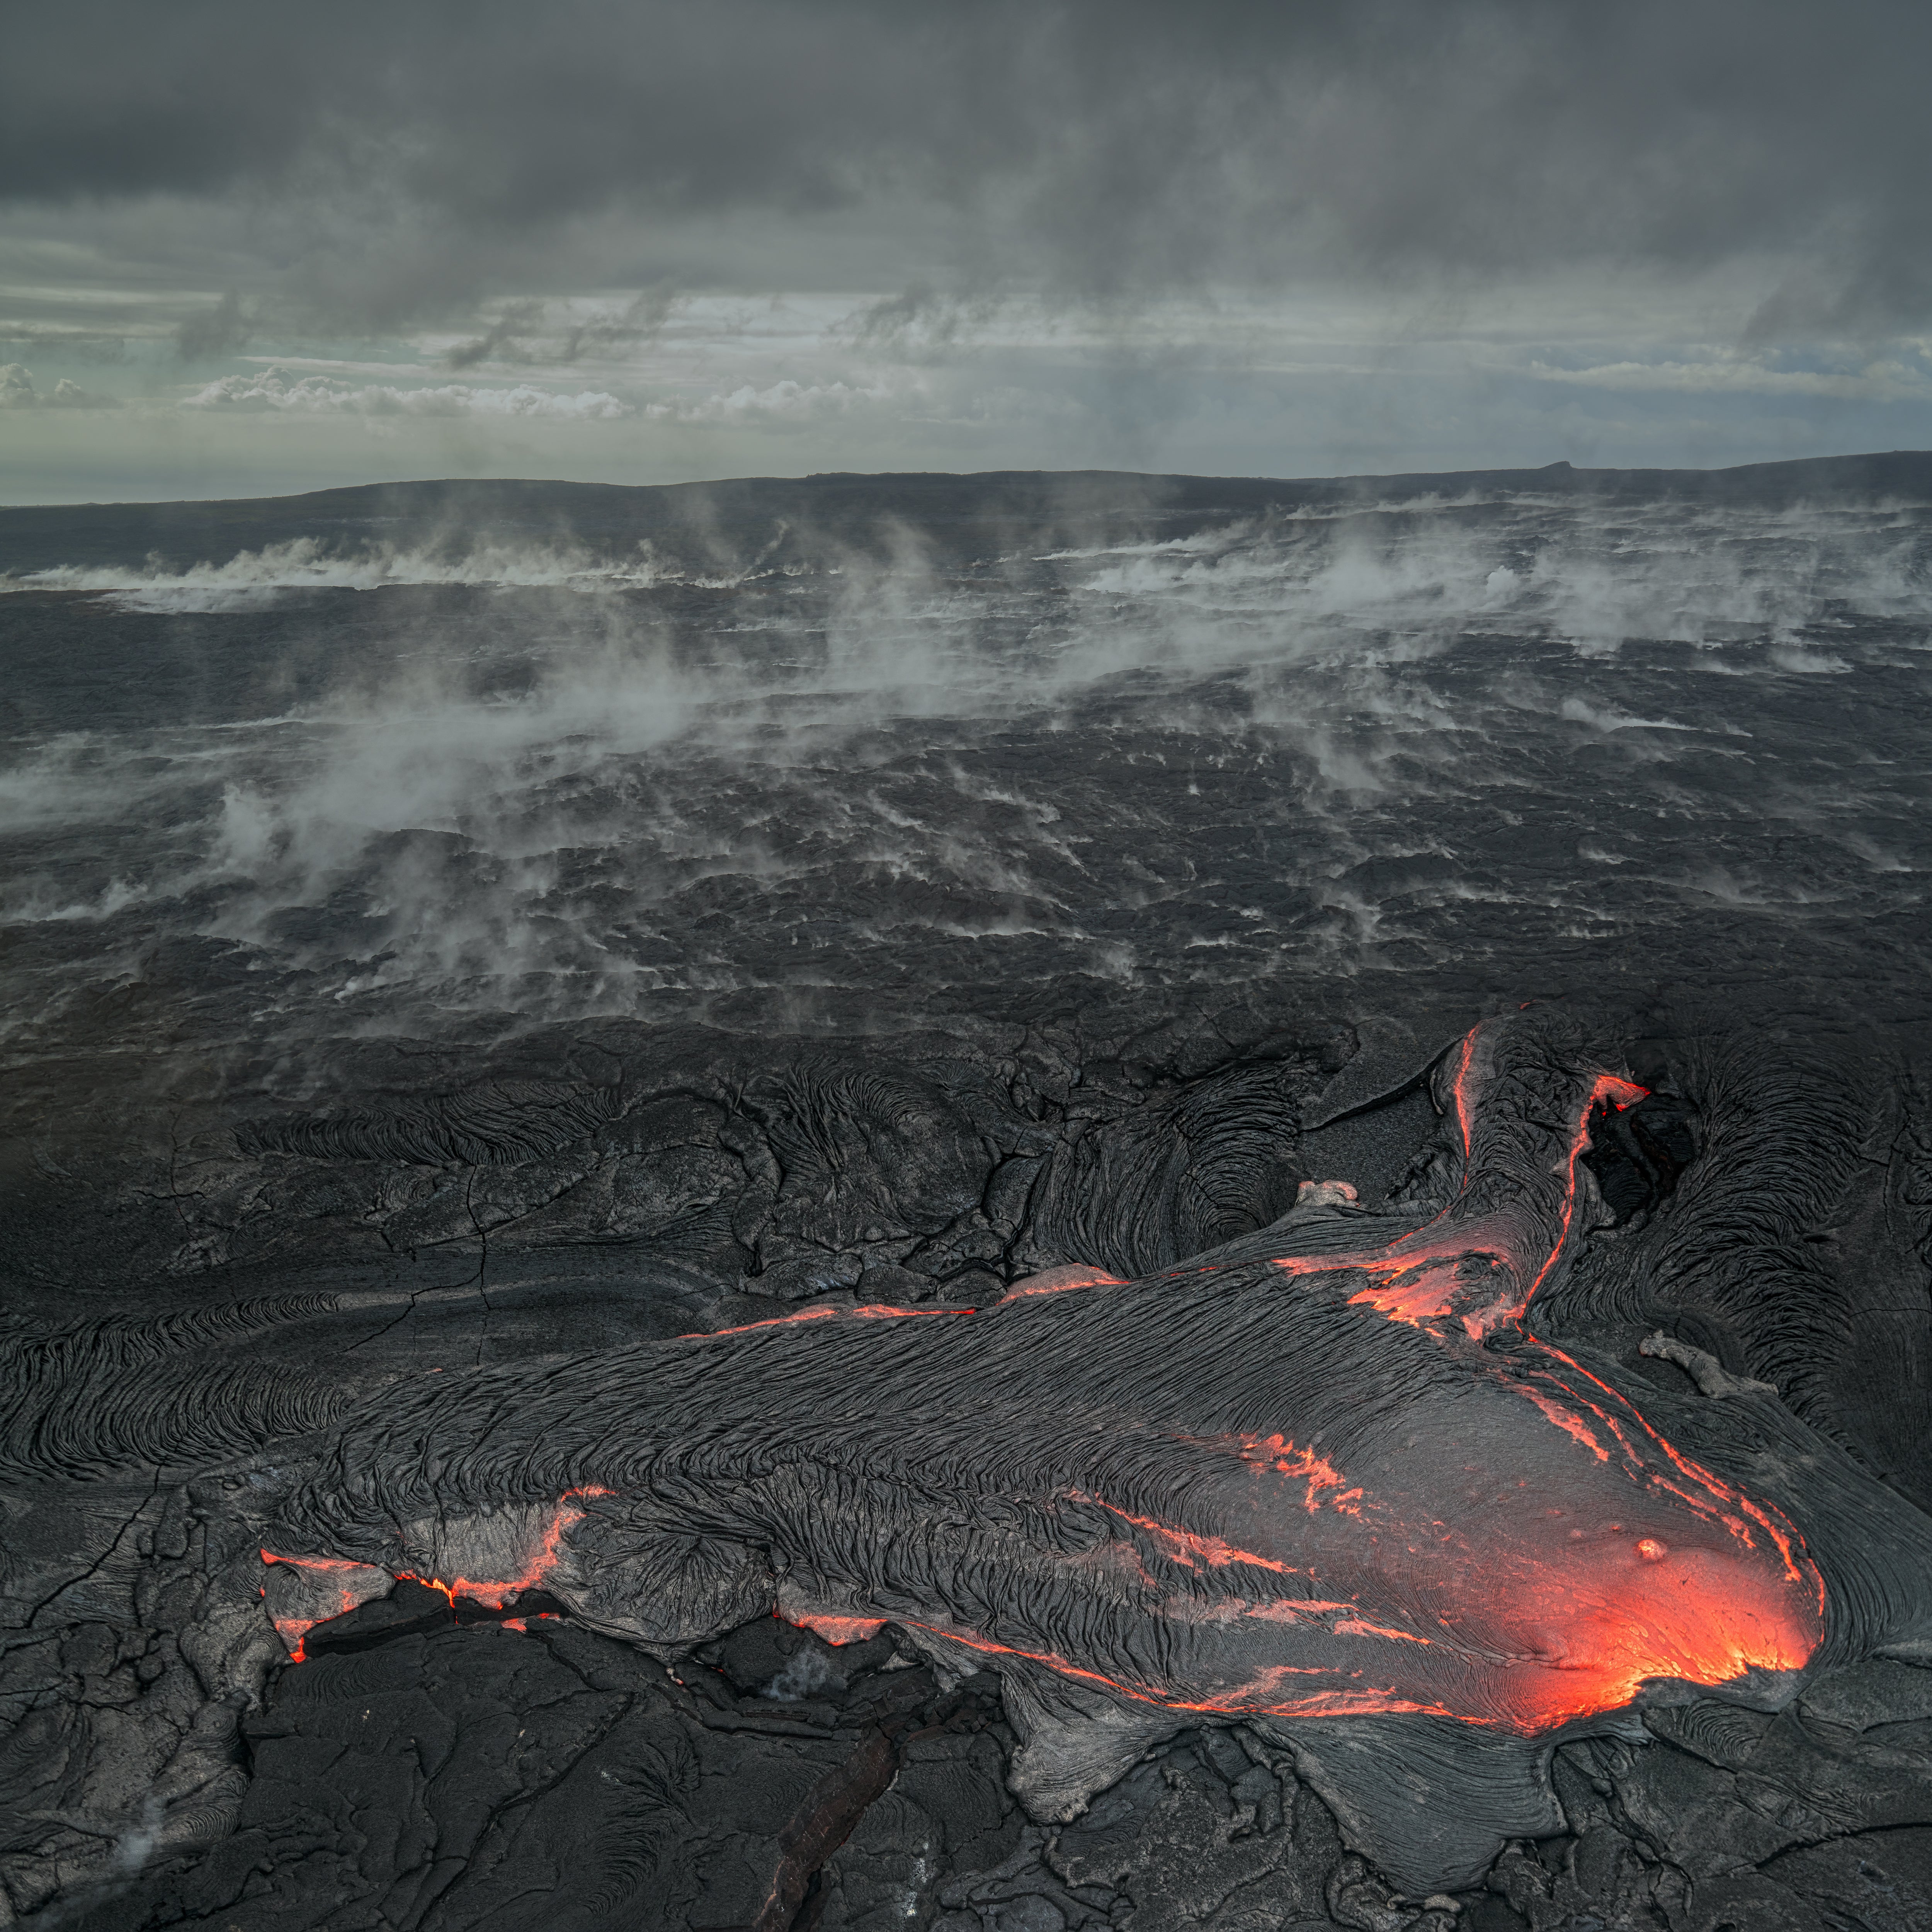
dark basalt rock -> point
(336, 1224)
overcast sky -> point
(250, 248)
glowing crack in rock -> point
(344, 1585)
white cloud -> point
(1888, 382)
(955, 398)
(275, 391)
(784, 403)
(17, 392)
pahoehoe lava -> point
(1443, 1435)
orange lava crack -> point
(495, 1595)
(1248, 1700)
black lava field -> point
(999, 1203)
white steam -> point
(254, 577)
(667, 804)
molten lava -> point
(1500, 1583)
(327, 1587)
(351, 1584)
(838, 1629)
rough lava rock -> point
(988, 1299)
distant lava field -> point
(999, 1204)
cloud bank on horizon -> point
(244, 249)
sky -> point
(253, 249)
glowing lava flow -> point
(1522, 1617)
(356, 1583)
(835, 1631)
(1060, 1281)
(1261, 1696)
(1480, 1529)
(1643, 1607)
(1419, 1277)
(1186, 1547)
(1719, 1501)
(1607, 1088)
(493, 1596)
(1285, 1459)
(1567, 1580)
(293, 1630)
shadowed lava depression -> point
(764, 1067)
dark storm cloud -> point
(386, 161)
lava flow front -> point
(302, 1591)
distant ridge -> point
(963, 515)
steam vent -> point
(1012, 1203)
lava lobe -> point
(1321, 1472)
